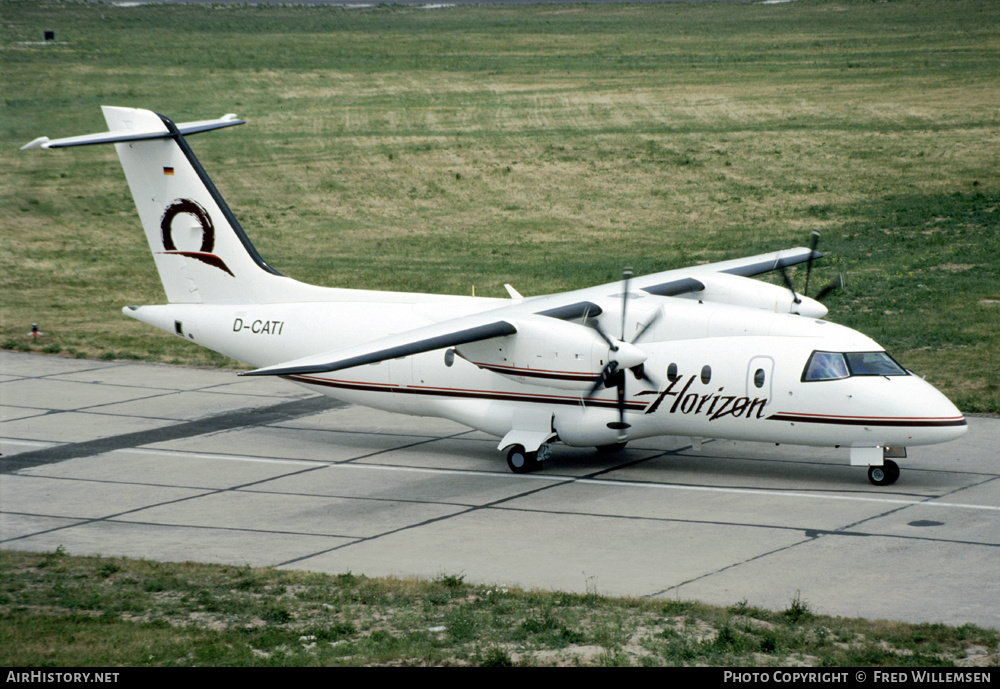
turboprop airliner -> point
(703, 352)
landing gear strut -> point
(884, 475)
(522, 462)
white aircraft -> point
(702, 352)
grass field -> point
(63, 611)
(546, 146)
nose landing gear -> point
(884, 475)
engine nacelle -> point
(723, 288)
(550, 352)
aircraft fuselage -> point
(725, 372)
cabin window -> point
(449, 357)
(758, 378)
(706, 374)
(672, 374)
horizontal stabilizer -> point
(228, 120)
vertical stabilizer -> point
(201, 252)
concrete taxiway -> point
(169, 463)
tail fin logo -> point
(205, 254)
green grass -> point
(544, 146)
(63, 611)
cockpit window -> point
(837, 365)
(873, 364)
(825, 366)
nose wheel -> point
(884, 475)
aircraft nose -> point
(944, 420)
(960, 426)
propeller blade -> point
(638, 335)
(640, 374)
(809, 263)
(626, 279)
(604, 380)
(592, 323)
(788, 284)
(604, 336)
(612, 374)
(832, 287)
(620, 424)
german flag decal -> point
(168, 171)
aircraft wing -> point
(438, 336)
(763, 263)
(507, 320)
(450, 333)
(673, 283)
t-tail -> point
(202, 253)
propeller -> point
(622, 356)
(837, 283)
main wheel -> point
(520, 461)
(608, 449)
(884, 475)
(892, 469)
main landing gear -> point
(884, 475)
(520, 461)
